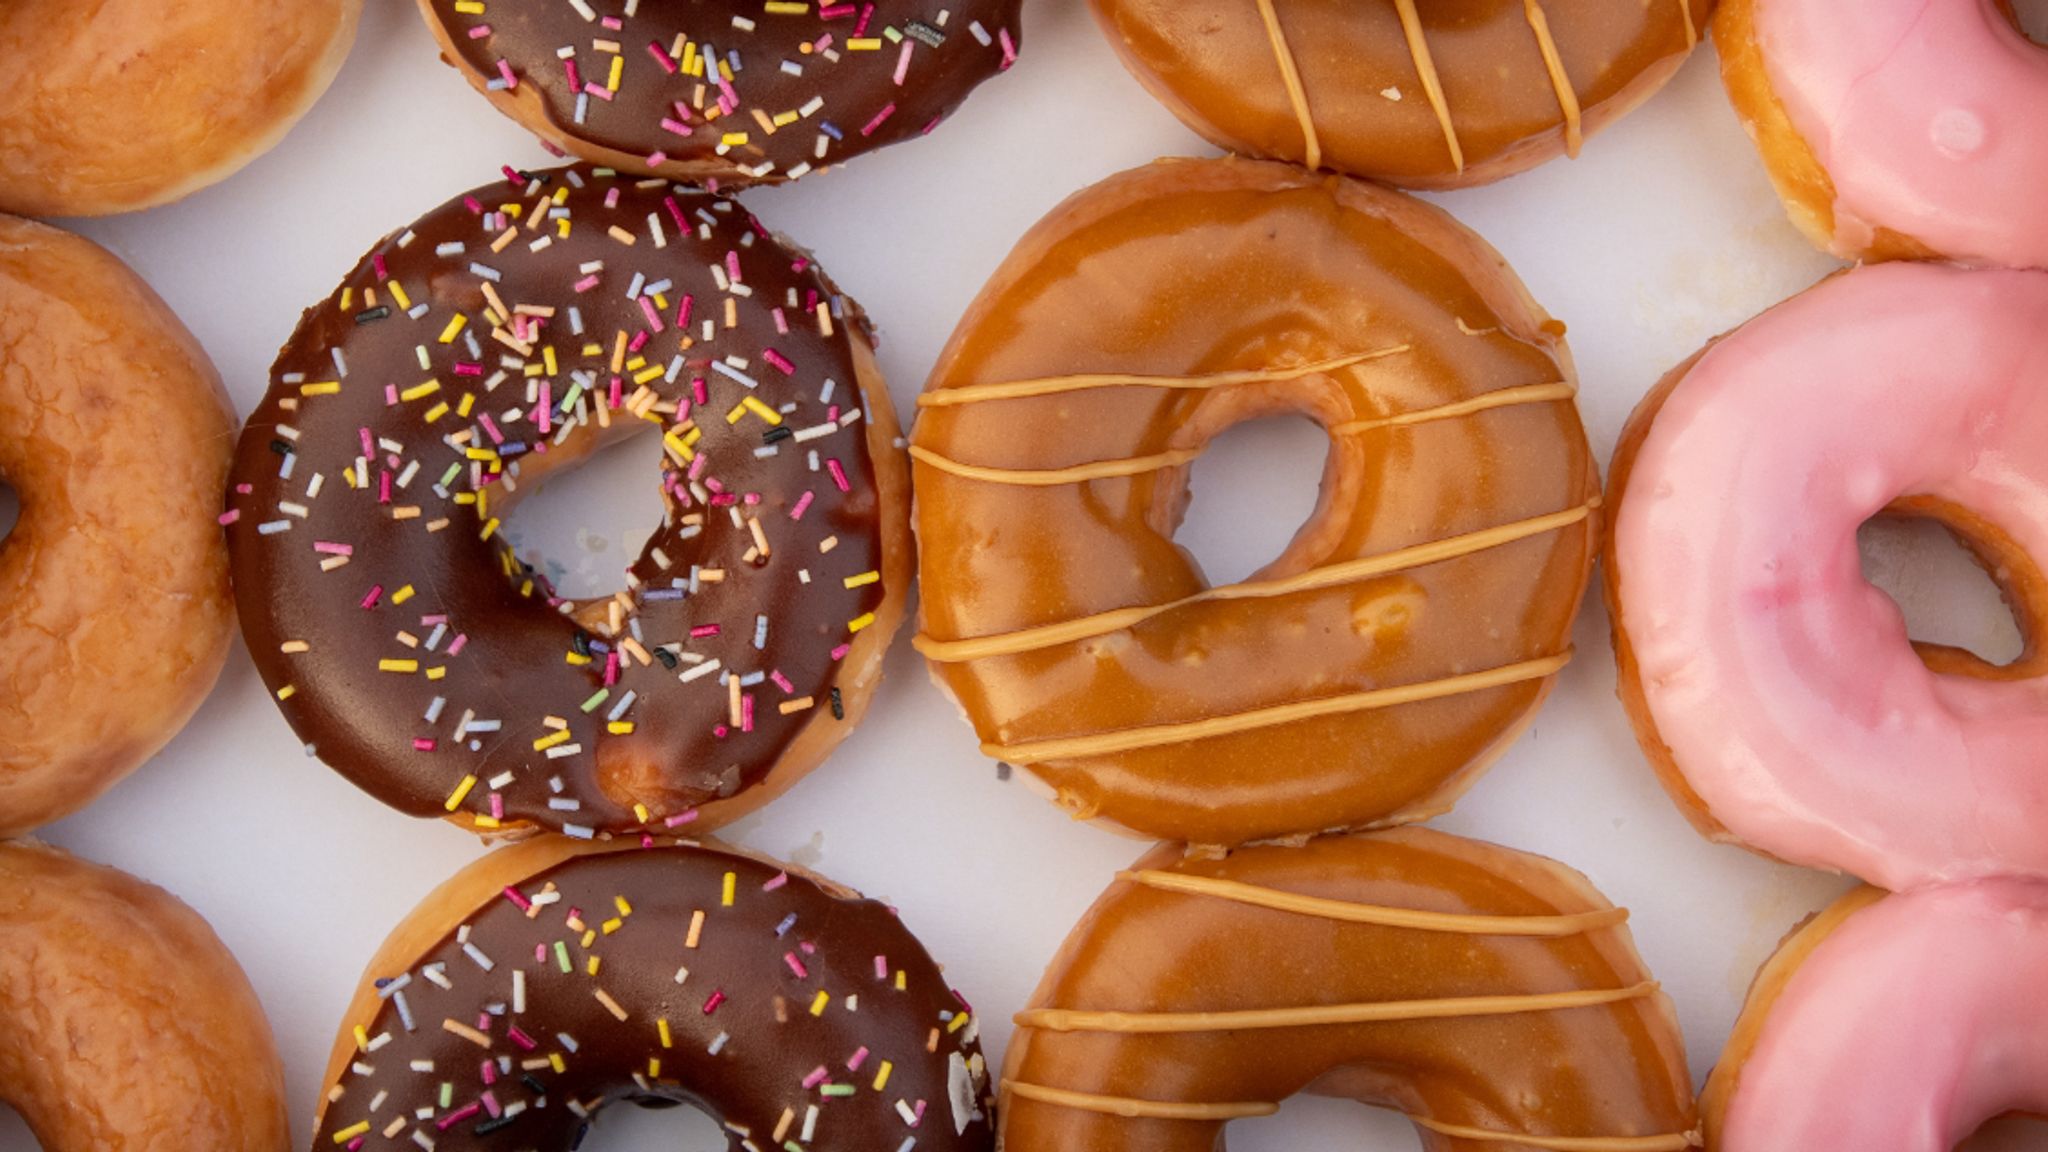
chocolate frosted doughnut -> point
(551, 978)
(797, 86)
(507, 334)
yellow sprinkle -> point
(762, 410)
(864, 43)
(618, 727)
(362, 1039)
(467, 405)
(731, 884)
(419, 391)
(547, 355)
(654, 1067)
(436, 672)
(491, 527)
(641, 814)
(591, 968)
(550, 740)
(461, 793)
(556, 1062)
(352, 1131)
(287, 692)
(899, 980)
(405, 666)
(398, 294)
(470, 7)
(785, 8)
(323, 388)
(857, 623)
(661, 1026)
(733, 139)
(575, 658)
(957, 1022)
(882, 1076)
(819, 1001)
(402, 595)
(618, 69)
(612, 925)
(439, 410)
(863, 579)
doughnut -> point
(552, 978)
(125, 1025)
(505, 336)
(797, 87)
(1411, 628)
(1773, 688)
(120, 105)
(1911, 131)
(1492, 996)
(1891, 1023)
(1418, 95)
(114, 436)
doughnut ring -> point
(1411, 628)
(501, 338)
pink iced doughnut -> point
(1891, 1024)
(1773, 687)
(1897, 128)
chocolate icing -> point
(385, 610)
(747, 981)
(828, 71)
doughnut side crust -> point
(125, 1025)
(115, 434)
(122, 105)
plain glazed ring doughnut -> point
(120, 105)
(1910, 131)
(1493, 997)
(1411, 628)
(1773, 688)
(1891, 1024)
(721, 91)
(1422, 95)
(114, 435)
(504, 336)
(125, 1025)
(550, 979)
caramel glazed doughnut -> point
(1418, 93)
(114, 434)
(724, 91)
(552, 978)
(125, 1025)
(1412, 626)
(119, 105)
(502, 337)
(1493, 997)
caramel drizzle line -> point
(1669, 1142)
(1290, 75)
(1139, 465)
(1132, 739)
(1054, 477)
(1135, 1108)
(1418, 47)
(1050, 385)
(1328, 576)
(1573, 924)
(1692, 34)
(1567, 97)
(1308, 1016)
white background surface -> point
(1664, 234)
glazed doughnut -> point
(798, 87)
(1911, 131)
(1891, 1024)
(1494, 997)
(125, 1025)
(1419, 95)
(1408, 632)
(114, 435)
(551, 978)
(503, 337)
(120, 105)
(1773, 688)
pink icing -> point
(1784, 683)
(1928, 116)
(1918, 1019)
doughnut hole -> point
(2013, 1133)
(656, 1124)
(2032, 18)
(582, 525)
(10, 511)
(1972, 600)
(1253, 488)
(1321, 1122)
(14, 1132)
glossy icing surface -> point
(771, 92)
(1907, 1027)
(503, 335)
(1926, 115)
(671, 974)
(1412, 625)
(1492, 996)
(1422, 94)
(1782, 682)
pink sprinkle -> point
(796, 966)
(676, 126)
(838, 653)
(675, 210)
(517, 898)
(661, 57)
(781, 321)
(230, 516)
(751, 499)
(383, 487)
(423, 745)
(699, 390)
(505, 71)
(881, 967)
(611, 196)
(859, 1057)
(703, 630)
(587, 283)
(617, 395)
(490, 428)
(867, 13)
(521, 1038)
(611, 668)
(747, 713)
(647, 310)
(775, 881)
(376, 593)
(834, 11)
(780, 361)
(732, 265)
(838, 474)
(489, 1072)
(887, 111)
(369, 445)
(919, 1112)
(593, 88)
(683, 312)
(680, 819)
(497, 805)
(816, 1077)
(575, 77)
(461, 642)
(903, 61)
(717, 998)
(782, 682)
(458, 1116)
(1009, 48)
(641, 337)
(475, 206)
(546, 405)
(802, 502)
(480, 32)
